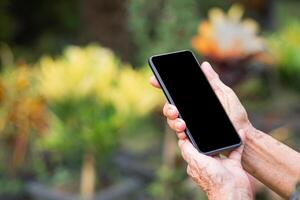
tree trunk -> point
(88, 177)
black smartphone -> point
(185, 85)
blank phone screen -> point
(198, 105)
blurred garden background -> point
(78, 118)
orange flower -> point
(226, 36)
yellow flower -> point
(78, 74)
(133, 93)
(95, 71)
(51, 79)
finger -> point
(170, 111)
(179, 131)
(208, 71)
(180, 125)
(217, 85)
(171, 124)
(181, 135)
(237, 153)
(177, 125)
(187, 150)
(154, 82)
(212, 76)
(189, 171)
(166, 108)
(191, 155)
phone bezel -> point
(170, 100)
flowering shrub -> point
(92, 95)
(79, 102)
(285, 48)
(226, 36)
(23, 116)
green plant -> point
(165, 25)
(174, 180)
(9, 188)
(285, 48)
(69, 113)
(23, 117)
(92, 96)
(162, 26)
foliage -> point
(166, 25)
(227, 37)
(92, 96)
(23, 116)
(174, 180)
(56, 111)
(285, 48)
(11, 188)
(168, 178)
(161, 26)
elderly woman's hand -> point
(220, 178)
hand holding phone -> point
(219, 178)
(186, 87)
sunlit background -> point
(78, 118)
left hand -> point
(219, 177)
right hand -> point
(227, 97)
(220, 178)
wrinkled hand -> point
(220, 178)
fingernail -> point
(207, 66)
(205, 63)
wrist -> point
(262, 154)
(251, 133)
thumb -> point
(212, 76)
